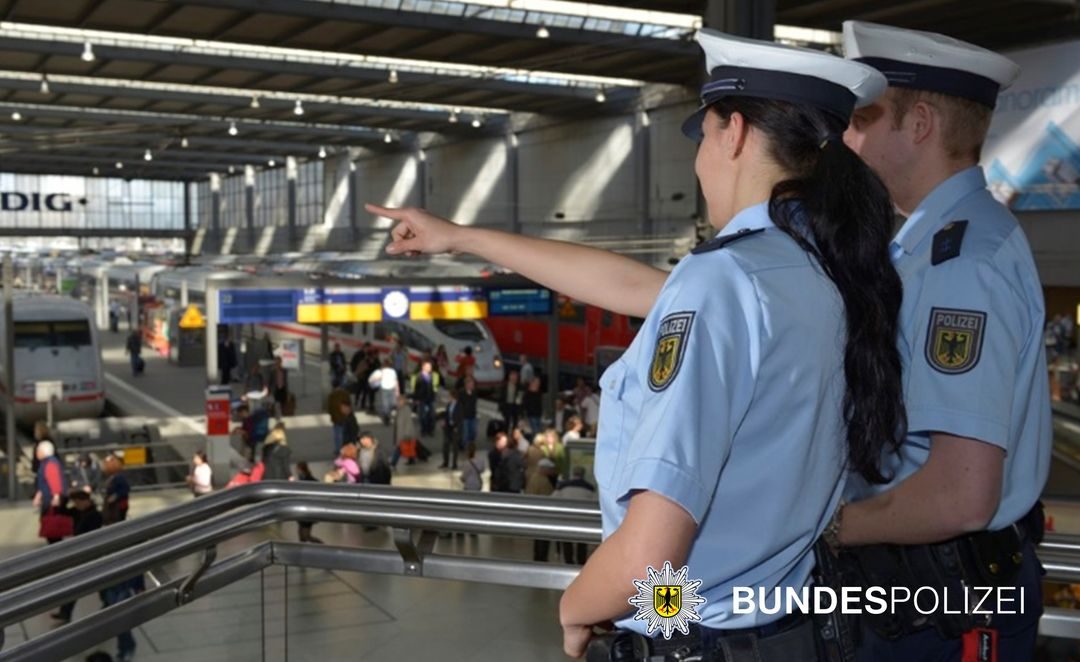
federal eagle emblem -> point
(954, 339)
(671, 341)
(667, 600)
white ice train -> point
(419, 337)
(55, 340)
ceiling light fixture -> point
(352, 167)
(119, 165)
(232, 129)
(148, 156)
(477, 122)
(254, 102)
(298, 109)
(453, 117)
(44, 84)
(17, 116)
(542, 32)
(322, 152)
(600, 96)
(88, 52)
(96, 171)
(184, 142)
(388, 138)
(271, 163)
(232, 169)
(393, 76)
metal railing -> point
(38, 580)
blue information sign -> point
(525, 301)
(243, 306)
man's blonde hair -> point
(964, 123)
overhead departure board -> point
(528, 301)
(252, 306)
(337, 305)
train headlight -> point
(497, 362)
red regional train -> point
(590, 338)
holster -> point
(984, 559)
(836, 633)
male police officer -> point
(960, 509)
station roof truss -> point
(214, 85)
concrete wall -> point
(617, 178)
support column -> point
(746, 18)
(512, 170)
(421, 177)
(644, 165)
(292, 170)
(249, 205)
(337, 201)
(187, 222)
(215, 209)
(553, 354)
(135, 311)
(211, 331)
(101, 293)
(355, 203)
(9, 377)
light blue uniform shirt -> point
(972, 341)
(746, 433)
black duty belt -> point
(704, 644)
(984, 558)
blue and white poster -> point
(1032, 155)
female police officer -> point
(722, 426)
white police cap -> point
(763, 69)
(929, 61)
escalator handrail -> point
(38, 563)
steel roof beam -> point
(76, 137)
(94, 233)
(106, 163)
(239, 103)
(452, 24)
(78, 170)
(359, 134)
(105, 52)
(174, 155)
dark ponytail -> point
(838, 210)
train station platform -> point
(173, 399)
(331, 615)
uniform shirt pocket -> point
(609, 438)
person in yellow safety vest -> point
(424, 386)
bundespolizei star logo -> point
(667, 600)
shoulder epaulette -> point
(723, 240)
(947, 242)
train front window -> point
(460, 330)
(63, 333)
(32, 335)
(75, 333)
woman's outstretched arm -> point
(591, 275)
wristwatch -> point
(831, 534)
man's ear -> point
(923, 121)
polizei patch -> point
(954, 340)
(671, 342)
